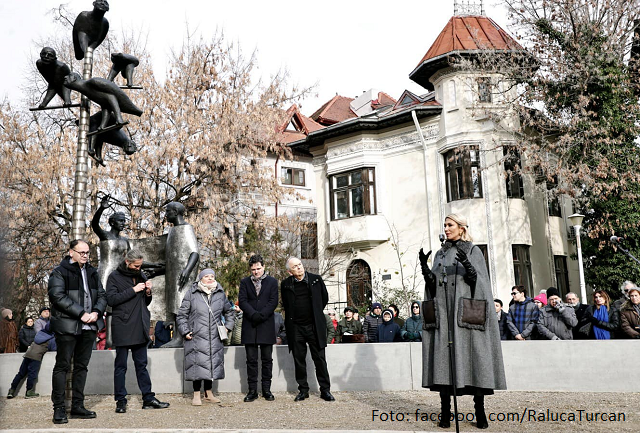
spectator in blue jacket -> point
(32, 359)
(523, 314)
(388, 330)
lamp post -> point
(576, 222)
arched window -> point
(359, 284)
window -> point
(359, 284)
(484, 89)
(353, 194)
(562, 275)
(485, 253)
(512, 164)
(553, 201)
(309, 241)
(452, 102)
(522, 267)
(462, 172)
(292, 176)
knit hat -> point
(552, 291)
(376, 305)
(542, 298)
(5, 313)
(387, 311)
(206, 272)
(44, 309)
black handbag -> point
(472, 313)
(429, 314)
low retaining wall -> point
(529, 366)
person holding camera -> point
(556, 321)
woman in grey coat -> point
(457, 277)
(198, 318)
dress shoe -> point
(267, 395)
(301, 396)
(121, 406)
(60, 415)
(80, 412)
(326, 396)
(251, 395)
(154, 403)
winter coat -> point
(40, 345)
(204, 353)
(412, 329)
(331, 329)
(370, 328)
(281, 332)
(352, 326)
(388, 332)
(66, 295)
(26, 336)
(41, 322)
(236, 334)
(629, 320)
(586, 325)
(556, 325)
(319, 300)
(502, 326)
(8, 336)
(130, 316)
(262, 307)
(525, 313)
(479, 366)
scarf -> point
(207, 288)
(133, 273)
(257, 282)
(603, 315)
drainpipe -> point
(426, 183)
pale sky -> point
(344, 47)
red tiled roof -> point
(468, 33)
(335, 110)
(383, 99)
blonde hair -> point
(462, 222)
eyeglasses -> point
(416, 307)
(82, 253)
(514, 293)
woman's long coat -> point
(478, 353)
(204, 353)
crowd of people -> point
(207, 320)
(546, 317)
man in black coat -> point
(304, 297)
(129, 294)
(77, 302)
(258, 299)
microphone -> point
(442, 237)
(616, 239)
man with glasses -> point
(523, 314)
(129, 294)
(77, 302)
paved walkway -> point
(351, 412)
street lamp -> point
(576, 222)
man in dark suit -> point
(129, 294)
(304, 297)
(258, 299)
(77, 302)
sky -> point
(341, 47)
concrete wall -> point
(369, 367)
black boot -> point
(481, 417)
(445, 411)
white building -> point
(382, 165)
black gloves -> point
(471, 276)
(429, 277)
(256, 319)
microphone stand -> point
(452, 350)
(626, 252)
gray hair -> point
(289, 260)
(133, 255)
(625, 284)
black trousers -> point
(197, 384)
(139, 356)
(78, 348)
(266, 352)
(305, 335)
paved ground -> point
(371, 411)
